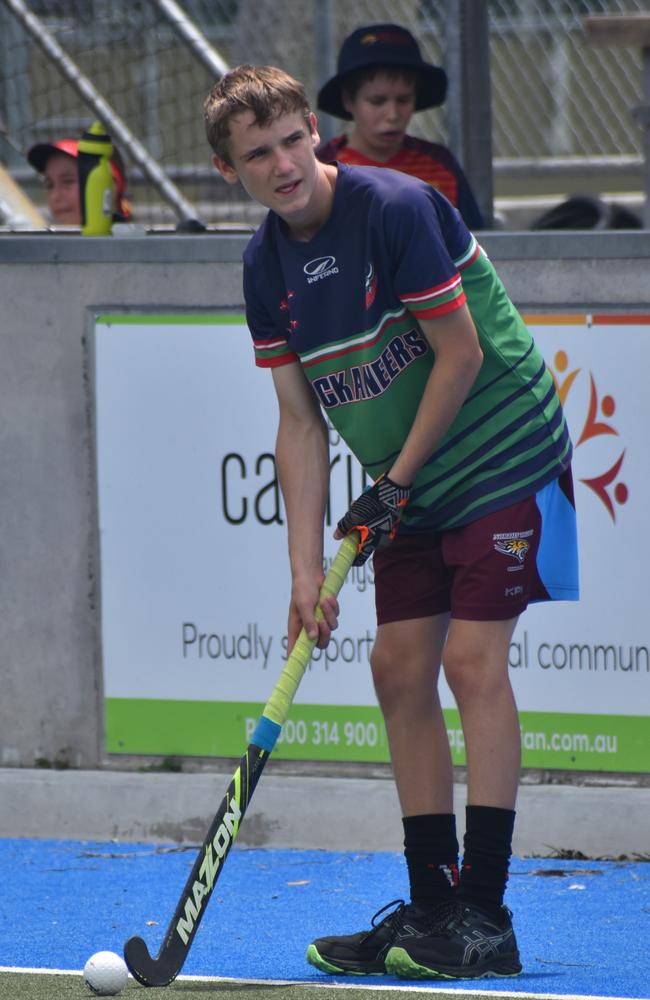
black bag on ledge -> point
(587, 212)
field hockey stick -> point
(160, 971)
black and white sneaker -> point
(363, 954)
(470, 944)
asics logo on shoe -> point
(480, 946)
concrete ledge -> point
(228, 247)
(326, 813)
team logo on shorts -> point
(514, 543)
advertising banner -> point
(195, 578)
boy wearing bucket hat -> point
(381, 81)
(57, 163)
(374, 308)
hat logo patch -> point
(387, 37)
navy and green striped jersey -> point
(346, 305)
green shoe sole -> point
(399, 963)
(314, 958)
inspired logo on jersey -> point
(514, 543)
(371, 284)
(319, 268)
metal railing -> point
(555, 99)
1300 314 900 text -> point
(325, 732)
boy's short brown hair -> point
(264, 90)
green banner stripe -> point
(187, 319)
(550, 740)
(223, 729)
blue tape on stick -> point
(266, 733)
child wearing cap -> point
(56, 162)
(381, 81)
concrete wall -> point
(50, 288)
(304, 811)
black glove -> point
(375, 515)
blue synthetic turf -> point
(583, 926)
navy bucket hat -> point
(377, 45)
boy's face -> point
(275, 163)
(62, 186)
(382, 109)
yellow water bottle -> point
(95, 181)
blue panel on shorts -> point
(557, 556)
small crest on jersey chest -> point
(370, 281)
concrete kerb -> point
(320, 813)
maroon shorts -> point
(484, 571)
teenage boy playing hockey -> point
(410, 344)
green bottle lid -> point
(96, 141)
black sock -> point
(431, 852)
(488, 848)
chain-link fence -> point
(553, 95)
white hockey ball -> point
(105, 974)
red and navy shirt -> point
(429, 161)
